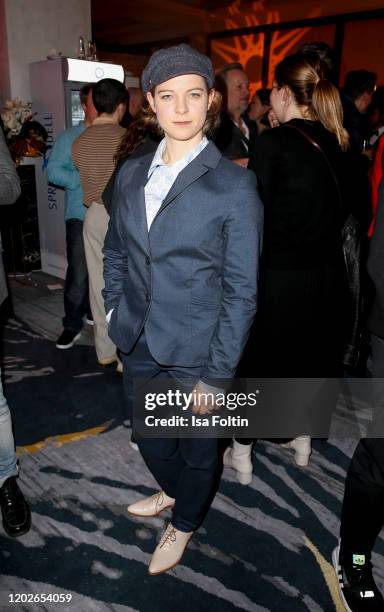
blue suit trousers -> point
(185, 469)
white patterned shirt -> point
(161, 177)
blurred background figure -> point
(94, 153)
(358, 90)
(62, 171)
(304, 317)
(136, 101)
(362, 515)
(259, 108)
(141, 137)
(236, 132)
(15, 511)
(375, 116)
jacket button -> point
(147, 261)
(147, 299)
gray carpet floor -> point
(263, 547)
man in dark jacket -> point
(14, 509)
(236, 132)
(362, 515)
(358, 91)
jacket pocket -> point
(208, 302)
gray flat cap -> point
(168, 63)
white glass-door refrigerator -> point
(55, 89)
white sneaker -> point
(302, 448)
(238, 457)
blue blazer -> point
(191, 282)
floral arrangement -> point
(26, 138)
(15, 113)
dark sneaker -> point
(357, 588)
(67, 339)
(14, 509)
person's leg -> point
(361, 521)
(76, 293)
(377, 346)
(76, 300)
(163, 460)
(187, 467)
(8, 464)
(160, 455)
(362, 513)
(14, 509)
(194, 463)
(95, 229)
(364, 487)
(196, 482)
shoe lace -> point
(159, 499)
(169, 537)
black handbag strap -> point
(325, 157)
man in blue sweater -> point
(62, 172)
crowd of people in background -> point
(317, 152)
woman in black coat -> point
(303, 316)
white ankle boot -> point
(238, 457)
(302, 448)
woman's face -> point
(181, 106)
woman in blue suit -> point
(180, 269)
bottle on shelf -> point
(81, 49)
(90, 50)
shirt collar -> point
(104, 121)
(181, 163)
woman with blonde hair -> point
(303, 316)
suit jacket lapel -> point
(191, 173)
(207, 159)
(137, 196)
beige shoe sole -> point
(107, 362)
(166, 569)
(153, 514)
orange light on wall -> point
(363, 48)
(248, 50)
(284, 42)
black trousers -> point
(76, 293)
(185, 469)
(363, 506)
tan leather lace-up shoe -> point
(169, 551)
(151, 506)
